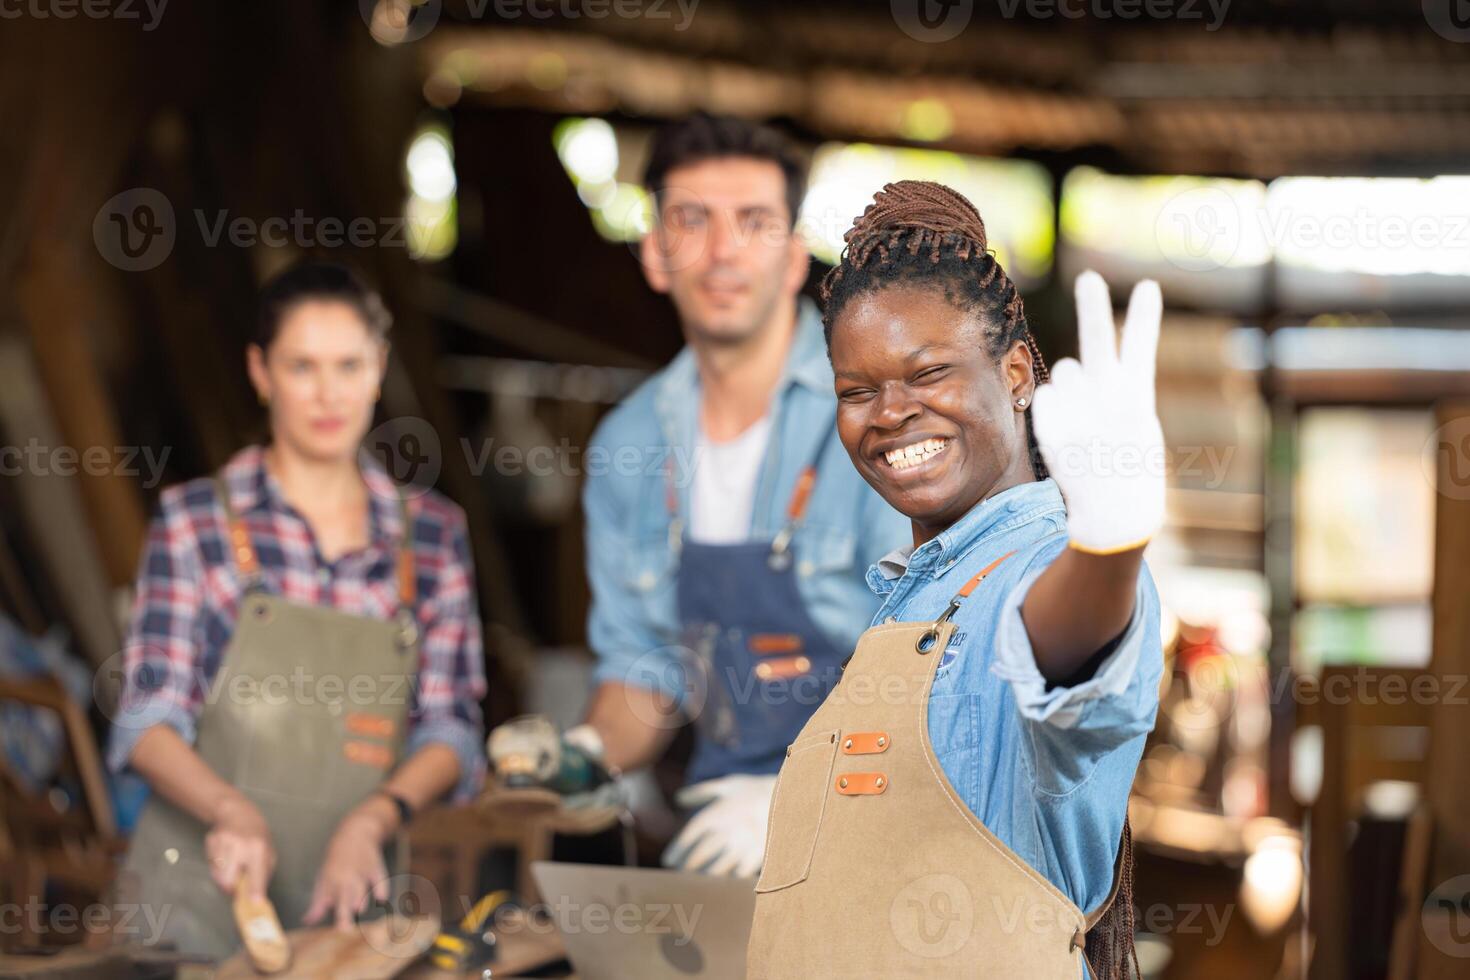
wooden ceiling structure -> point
(1285, 88)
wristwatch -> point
(405, 809)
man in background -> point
(727, 593)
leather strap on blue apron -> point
(795, 507)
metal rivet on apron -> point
(878, 782)
(171, 855)
(891, 619)
(847, 744)
(842, 782)
(882, 741)
(763, 671)
(408, 630)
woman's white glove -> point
(728, 835)
(1096, 426)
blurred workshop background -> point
(1295, 173)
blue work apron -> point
(762, 665)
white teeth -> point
(912, 455)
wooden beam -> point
(55, 511)
(1448, 789)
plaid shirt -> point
(189, 593)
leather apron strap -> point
(796, 505)
(248, 563)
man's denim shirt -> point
(633, 626)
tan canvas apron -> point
(306, 718)
(874, 866)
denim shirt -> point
(633, 626)
(1047, 771)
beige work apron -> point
(306, 718)
(874, 866)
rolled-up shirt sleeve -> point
(451, 681)
(1074, 727)
(157, 674)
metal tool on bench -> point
(472, 942)
(539, 772)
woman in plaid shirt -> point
(304, 665)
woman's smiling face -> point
(927, 414)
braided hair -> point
(917, 231)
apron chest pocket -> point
(796, 811)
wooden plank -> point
(1403, 950)
(1448, 789)
(376, 950)
(55, 512)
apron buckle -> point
(408, 629)
(780, 559)
(930, 636)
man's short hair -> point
(703, 136)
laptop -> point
(623, 923)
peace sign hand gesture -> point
(1096, 426)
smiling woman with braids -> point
(957, 806)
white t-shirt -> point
(722, 497)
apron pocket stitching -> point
(806, 838)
